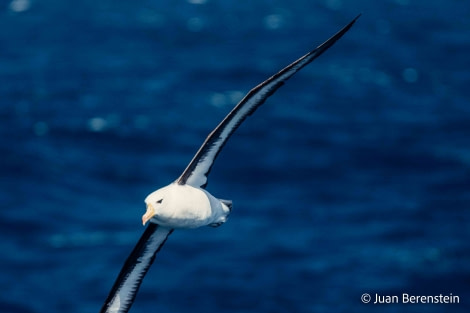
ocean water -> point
(353, 178)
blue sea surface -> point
(352, 178)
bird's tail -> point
(228, 204)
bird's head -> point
(154, 202)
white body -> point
(185, 203)
(184, 206)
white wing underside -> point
(199, 168)
(136, 266)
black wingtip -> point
(331, 41)
(341, 32)
(347, 27)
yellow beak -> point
(148, 215)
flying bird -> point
(185, 203)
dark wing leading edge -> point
(198, 169)
(127, 284)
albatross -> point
(185, 203)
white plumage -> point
(185, 203)
(185, 206)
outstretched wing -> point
(132, 273)
(199, 168)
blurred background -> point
(353, 178)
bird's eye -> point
(160, 201)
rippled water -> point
(353, 178)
